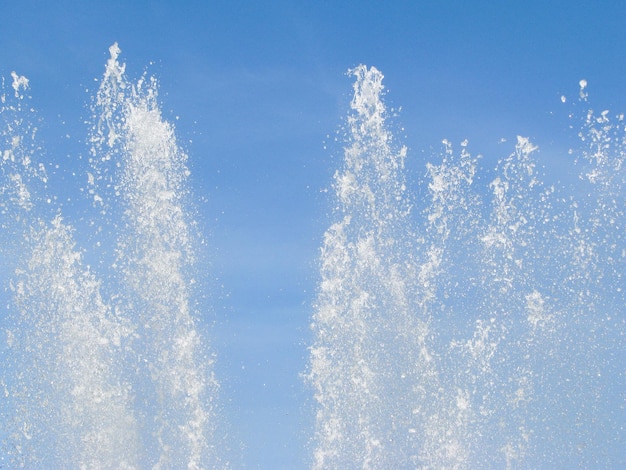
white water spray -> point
(485, 335)
(108, 373)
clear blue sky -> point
(255, 89)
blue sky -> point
(257, 91)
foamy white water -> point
(482, 328)
(106, 370)
(479, 326)
(71, 405)
(155, 254)
(370, 364)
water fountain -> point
(480, 328)
(105, 369)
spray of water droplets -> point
(479, 327)
(108, 369)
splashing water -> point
(105, 370)
(369, 339)
(488, 331)
(480, 327)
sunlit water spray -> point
(105, 370)
(482, 327)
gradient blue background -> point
(257, 91)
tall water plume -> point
(106, 369)
(71, 404)
(369, 337)
(154, 255)
(483, 328)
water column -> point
(69, 404)
(176, 388)
(490, 336)
(370, 364)
(451, 220)
(513, 258)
